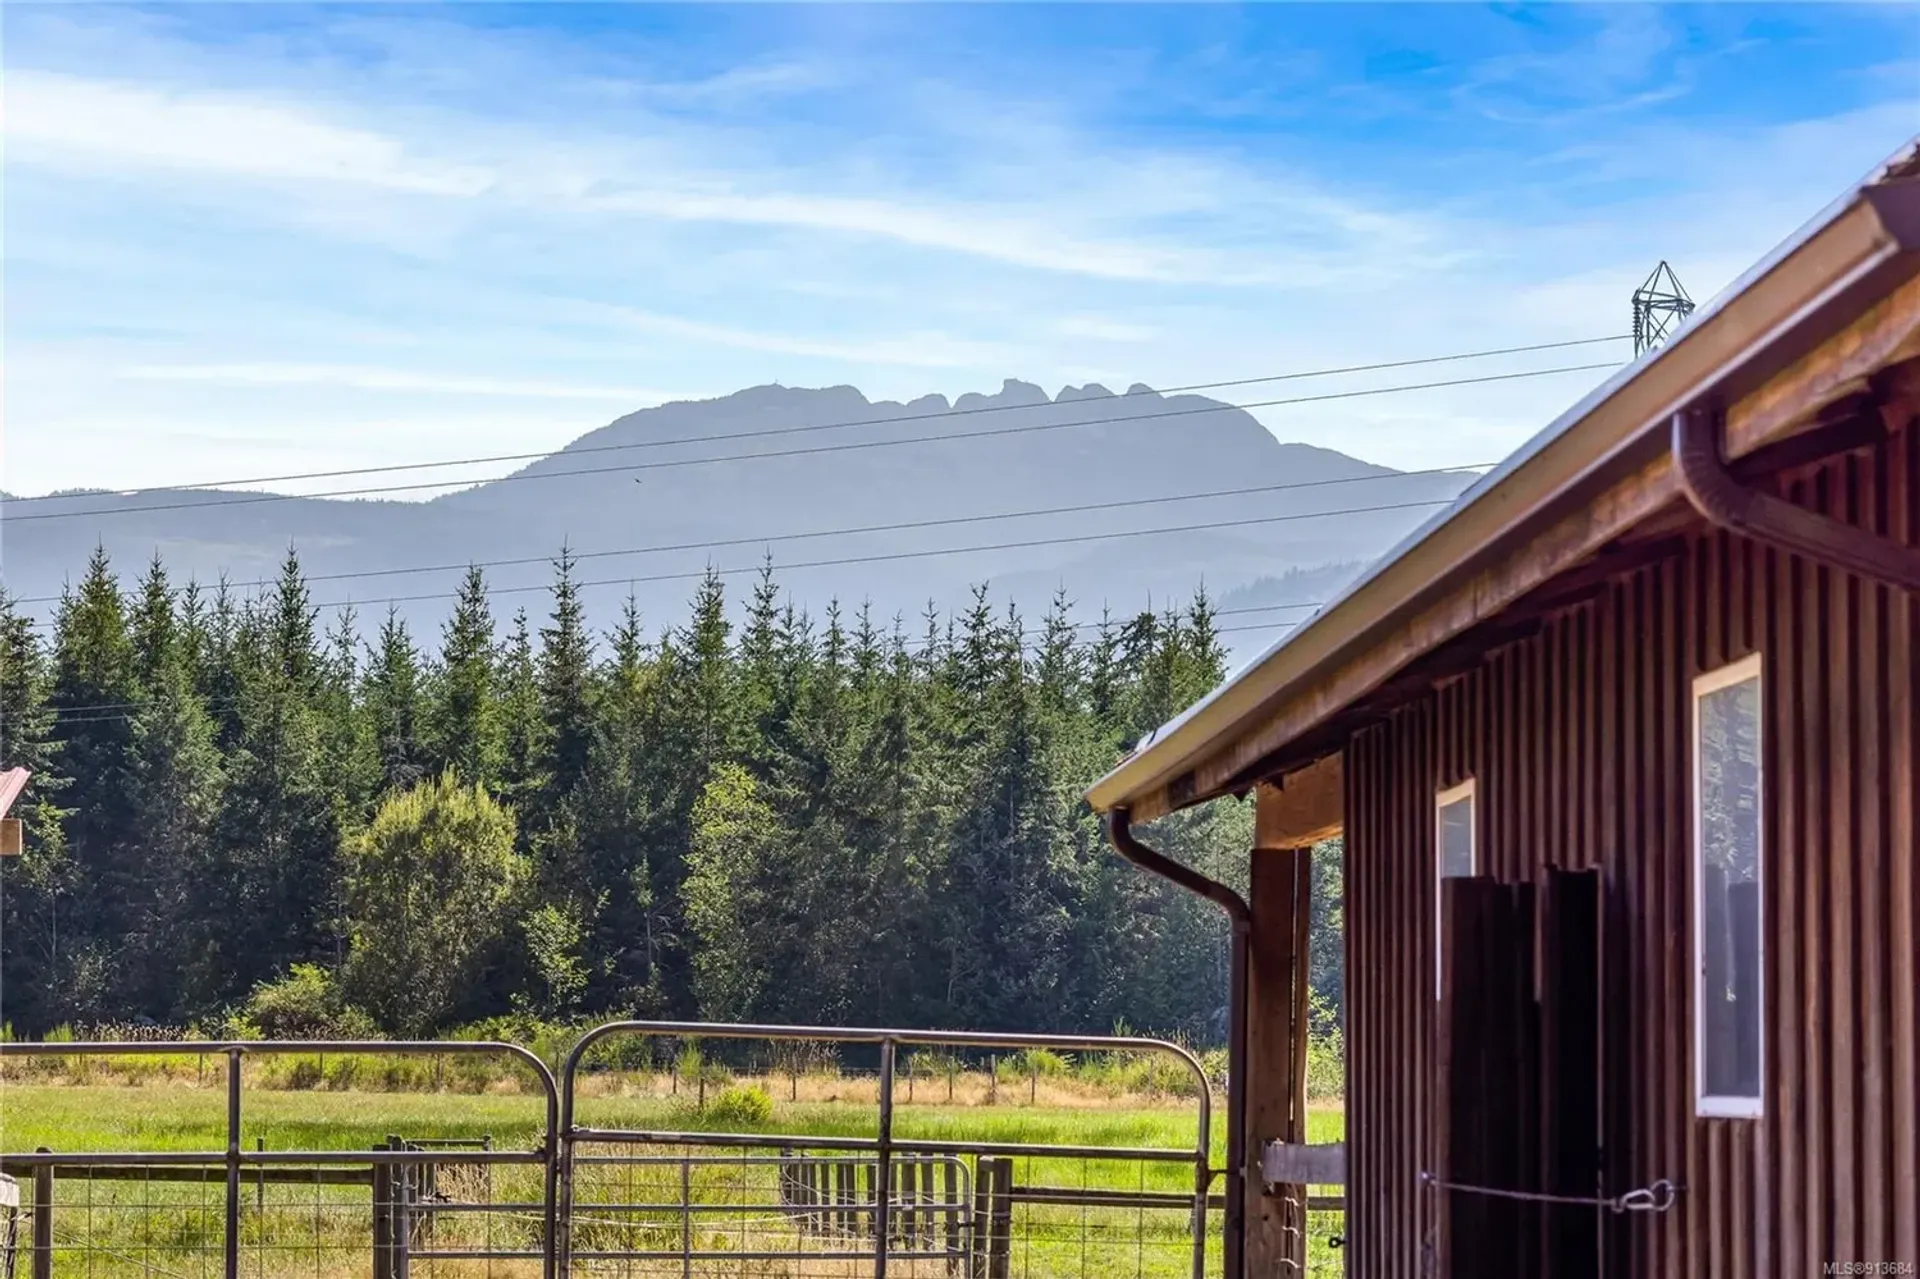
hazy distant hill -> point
(717, 479)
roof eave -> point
(1833, 251)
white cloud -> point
(67, 120)
(364, 378)
(968, 230)
(446, 196)
(1103, 329)
(914, 350)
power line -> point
(910, 555)
(65, 715)
(851, 446)
(835, 426)
(858, 530)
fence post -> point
(560, 1202)
(1002, 1257)
(993, 1217)
(686, 1217)
(883, 1167)
(382, 1218)
(233, 1164)
(399, 1219)
(43, 1219)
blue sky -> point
(266, 237)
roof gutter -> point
(1775, 522)
(1855, 237)
(1120, 833)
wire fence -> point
(576, 1200)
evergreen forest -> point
(240, 805)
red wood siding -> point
(1579, 739)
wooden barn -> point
(1625, 752)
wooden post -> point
(43, 1219)
(1000, 1258)
(1304, 807)
(1281, 884)
(992, 1217)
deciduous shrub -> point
(739, 1107)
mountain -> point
(728, 481)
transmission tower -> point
(1658, 307)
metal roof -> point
(1686, 365)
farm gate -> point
(573, 1197)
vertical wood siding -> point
(1579, 738)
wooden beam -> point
(1852, 422)
(1301, 808)
(1280, 891)
(1887, 332)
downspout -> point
(1120, 833)
(1775, 522)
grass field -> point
(173, 1229)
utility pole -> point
(1659, 306)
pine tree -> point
(175, 782)
(523, 727)
(291, 634)
(464, 731)
(566, 685)
(153, 626)
(392, 697)
(270, 896)
(814, 823)
(695, 732)
(349, 749)
(94, 688)
(611, 891)
(37, 926)
(230, 654)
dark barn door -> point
(1520, 1018)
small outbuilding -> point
(1624, 749)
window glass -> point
(1727, 890)
(1454, 857)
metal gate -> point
(394, 1211)
(801, 1205)
(572, 1199)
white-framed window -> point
(1456, 853)
(1729, 1028)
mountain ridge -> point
(783, 470)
